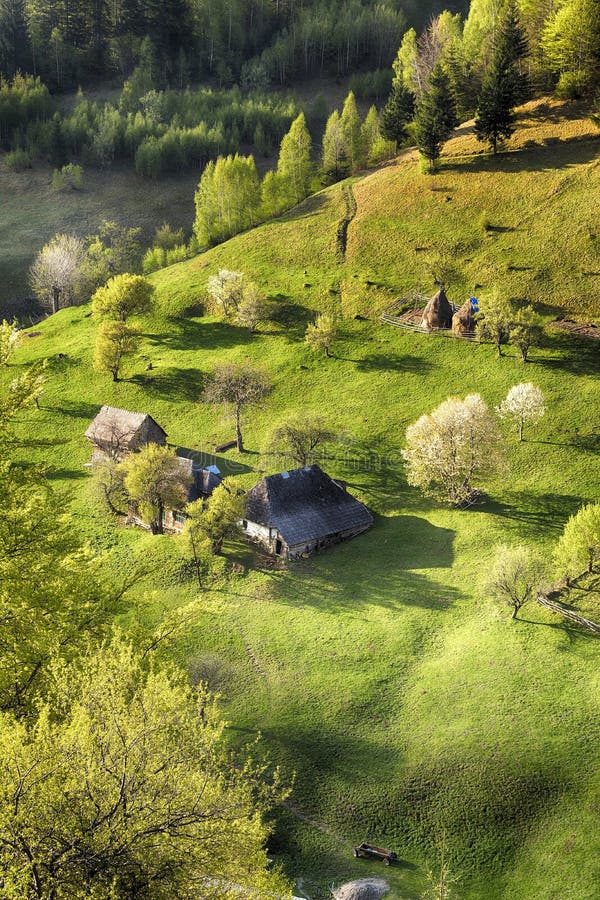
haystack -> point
(462, 320)
(363, 889)
(438, 312)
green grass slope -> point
(412, 710)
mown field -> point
(412, 711)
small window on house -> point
(179, 518)
(244, 524)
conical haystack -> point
(462, 320)
(438, 312)
(364, 889)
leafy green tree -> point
(123, 296)
(227, 199)
(515, 574)
(10, 338)
(20, 393)
(114, 250)
(115, 341)
(125, 788)
(239, 386)
(300, 439)
(578, 549)
(51, 594)
(217, 517)
(570, 45)
(435, 116)
(322, 334)
(154, 481)
(526, 330)
(494, 325)
(350, 126)
(397, 113)
(335, 162)
(294, 166)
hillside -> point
(412, 711)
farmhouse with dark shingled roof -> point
(297, 512)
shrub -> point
(17, 161)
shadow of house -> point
(171, 383)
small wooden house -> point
(116, 432)
(202, 480)
(301, 511)
(438, 312)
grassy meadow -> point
(412, 712)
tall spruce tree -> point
(504, 85)
(435, 116)
(397, 112)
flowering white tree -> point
(524, 403)
(56, 275)
(450, 447)
(226, 290)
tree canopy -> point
(124, 788)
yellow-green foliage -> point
(405, 701)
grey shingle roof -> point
(305, 505)
(129, 429)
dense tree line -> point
(161, 131)
(68, 42)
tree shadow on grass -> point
(533, 512)
(292, 318)
(188, 334)
(383, 362)
(76, 409)
(556, 155)
(579, 356)
(172, 383)
(63, 474)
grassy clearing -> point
(410, 708)
(31, 212)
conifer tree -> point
(495, 119)
(435, 116)
(397, 112)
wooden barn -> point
(301, 511)
(116, 432)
